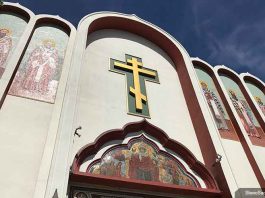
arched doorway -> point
(139, 160)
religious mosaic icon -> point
(215, 106)
(214, 102)
(136, 75)
(260, 103)
(5, 47)
(11, 28)
(40, 69)
(142, 160)
(244, 113)
(36, 80)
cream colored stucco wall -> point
(23, 125)
(239, 164)
(102, 97)
(28, 128)
(37, 141)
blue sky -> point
(228, 32)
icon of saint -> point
(5, 48)
(261, 104)
(215, 106)
(40, 68)
(142, 165)
(245, 114)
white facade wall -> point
(102, 96)
(37, 139)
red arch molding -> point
(166, 44)
(11, 9)
(119, 134)
(255, 82)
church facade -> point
(118, 108)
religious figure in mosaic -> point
(141, 161)
(36, 79)
(5, 48)
(41, 67)
(245, 114)
(215, 106)
(142, 164)
(261, 104)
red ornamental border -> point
(120, 134)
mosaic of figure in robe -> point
(215, 106)
(245, 114)
(35, 79)
(141, 161)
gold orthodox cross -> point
(136, 75)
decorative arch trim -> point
(162, 138)
(141, 142)
(246, 77)
(16, 8)
(54, 20)
(253, 79)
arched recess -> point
(237, 92)
(147, 134)
(203, 67)
(16, 8)
(225, 71)
(69, 31)
(14, 19)
(50, 38)
(256, 90)
(182, 63)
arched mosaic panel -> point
(214, 101)
(11, 28)
(245, 113)
(40, 69)
(142, 160)
(258, 95)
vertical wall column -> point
(19, 21)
